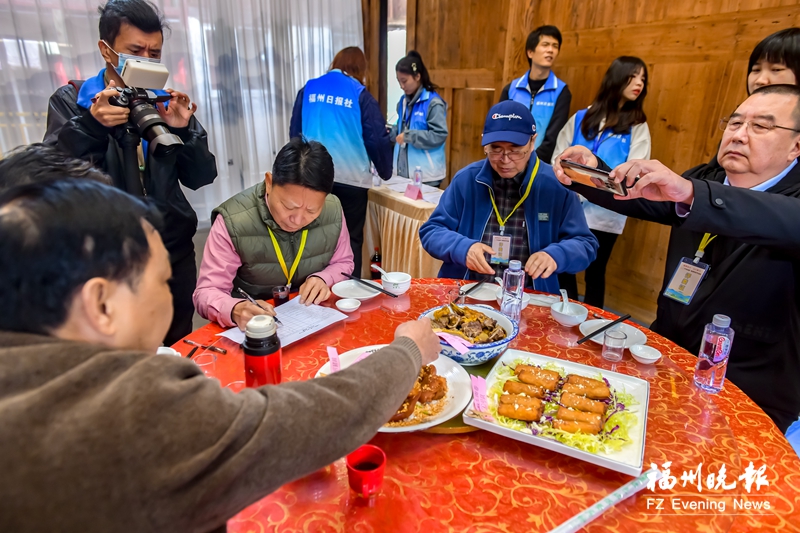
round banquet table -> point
(463, 480)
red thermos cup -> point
(262, 352)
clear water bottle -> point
(513, 285)
(712, 362)
(418, 176)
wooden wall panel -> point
(466, 59)
(696, 52)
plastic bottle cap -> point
(515, 265)
(260, 327)
(419, 168)
(721, 321)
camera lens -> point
(153, 129)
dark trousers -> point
(595, 275)
(182, 284)
(354, 205)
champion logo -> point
(498, 116)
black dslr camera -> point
(145, 118)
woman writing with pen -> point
(286, 231)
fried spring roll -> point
(575, 427)
(515, 387)
(520, 407)
(579, 416)
(589, 382)
(547, 379)
(595, 393)
(580, 403)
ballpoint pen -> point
(205, 347)
(252, 301)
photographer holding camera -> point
(95, 121)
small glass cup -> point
(614, 345)
(280, 295)
(454, 296)
(236, 386)
(207, 362)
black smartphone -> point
(593, 177)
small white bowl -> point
(526, 298)
(348, 305)
(573, 315)
(647, 355)
(396, 282)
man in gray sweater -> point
(98, 433)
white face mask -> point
(125, 57)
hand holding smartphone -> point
(593, 177)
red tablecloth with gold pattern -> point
(480, 481)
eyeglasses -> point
(497, 154)
(754, 127)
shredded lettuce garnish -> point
(619, 419)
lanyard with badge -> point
(600, 139)
(690, 272)
(288, 273)
(501, 244)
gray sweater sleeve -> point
(229, 450)
(436, 134)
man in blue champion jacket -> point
(509, 206)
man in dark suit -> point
(752, 205)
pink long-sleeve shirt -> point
(212, 297)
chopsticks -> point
(604, 328)
(472, 289)
(370, 285)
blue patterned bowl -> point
(480, 353)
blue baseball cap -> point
(509, 121)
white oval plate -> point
(635, 336)
(459, 387)
(486, 293)
(353, 289)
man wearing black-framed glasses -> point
(509, 207)
(737, 225)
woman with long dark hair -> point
(615, 129)
(337, 111)
(421, 129)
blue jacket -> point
(553, 217)
(374, 136)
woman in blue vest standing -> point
(615, 129)
(421, 129)
(336, 111)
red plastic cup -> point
(365, 468)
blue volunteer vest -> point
(432, 162)
(332, 116)
(613, 148)
(542, 104)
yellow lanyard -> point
(707, 238)
(502, 220)
(289, 274)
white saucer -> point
(486, 293)
(353, 289)
(635, 336)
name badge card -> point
(685, 281)
(501, 244)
